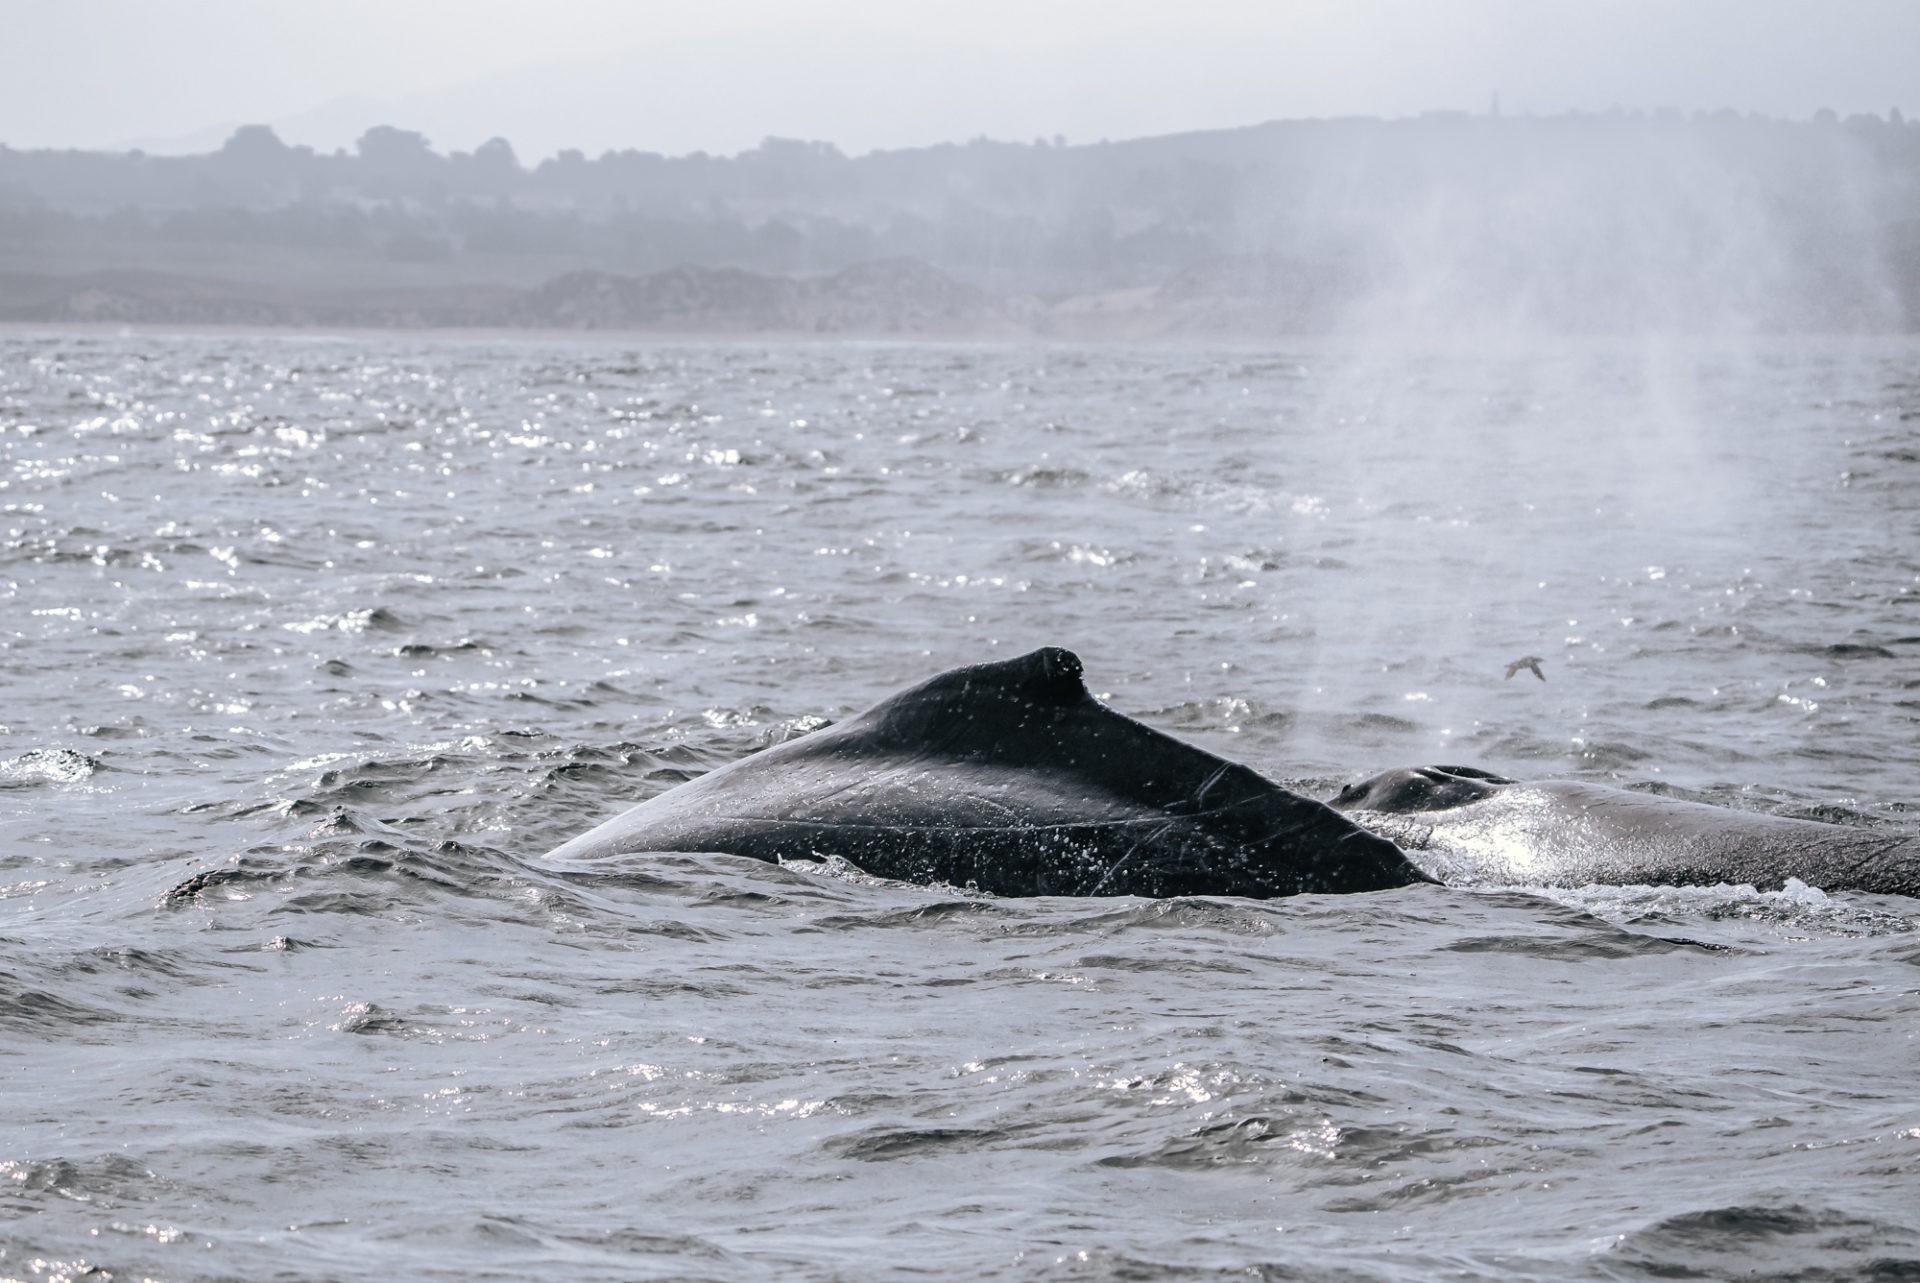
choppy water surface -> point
(310, 647)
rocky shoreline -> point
(1251, 298)
(895, 297)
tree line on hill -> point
(1579, 222)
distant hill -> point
(1601, 223)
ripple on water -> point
(291, 993)
(47, 766)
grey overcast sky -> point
(718, 75)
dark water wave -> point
(312, 647)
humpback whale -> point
(1467, 827)
(1011, 778)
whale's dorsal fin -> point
(987, 702)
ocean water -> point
(310, 647)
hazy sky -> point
(721, 74)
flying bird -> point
(1529, 662)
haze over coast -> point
(1072, 170)
(1604, 222)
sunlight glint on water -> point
(308, 645)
